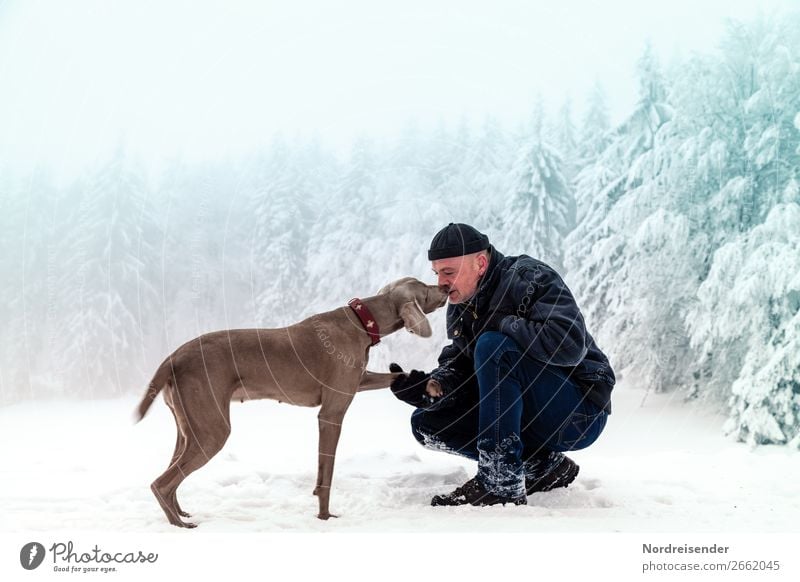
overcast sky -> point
(203, 79)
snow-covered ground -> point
(660, 467)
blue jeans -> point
(515, 410)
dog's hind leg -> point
(330, 418)
(180, 446)
(203, 438)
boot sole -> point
(453, 500)
(438, 501)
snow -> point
(660, 466)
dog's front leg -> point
(376, 380)
(330, 427)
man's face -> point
(460, 275)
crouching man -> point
(522, 381)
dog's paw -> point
(325, 516)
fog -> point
(172, 169)
(206, 80)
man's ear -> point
(483, 262)
(414, 320)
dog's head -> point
(413, 299)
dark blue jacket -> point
(528, 301)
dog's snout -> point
(441, 293)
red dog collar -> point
(367, 320)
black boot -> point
(555, 470)
(473, 493)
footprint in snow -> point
(589, 484)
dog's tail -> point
(162, 377)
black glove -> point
(410, 388)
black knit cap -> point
(457, 240)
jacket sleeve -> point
(547, 324)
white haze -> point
(200, 80)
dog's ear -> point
(414, 319)
(384, 289)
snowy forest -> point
(678, 231)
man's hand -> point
(411, 387)
(433, 388)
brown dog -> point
(320, 361)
